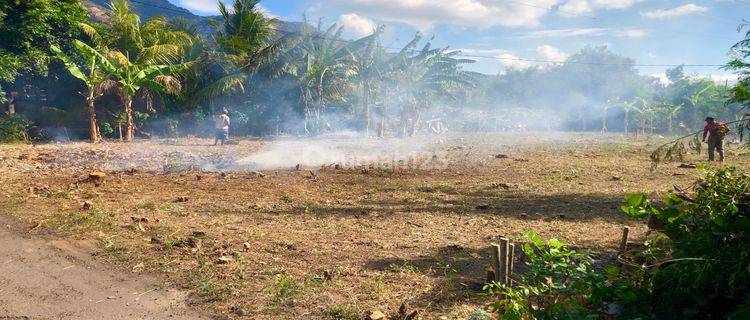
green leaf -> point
(72, 67)
(554, 243)
(535, 238)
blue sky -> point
(650, 31)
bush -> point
(702, 269)
(560, 283)
(14, 128)
(697, 268)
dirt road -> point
(42, 279)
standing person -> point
(221, 124)
(715, 131)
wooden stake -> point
(496, 262)
(504, 246)
(624, 240)
(511, 256)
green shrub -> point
(698, 267)
(559, 283)
(14, 128)
(701, 269)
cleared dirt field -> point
(393, 222)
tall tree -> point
(133, 78)
(741, 65)
(94, 76)
(28, 28)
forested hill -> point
(149, 8)
(146, 9)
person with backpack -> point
(714, 133)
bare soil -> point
(58, 279)
(328, 241)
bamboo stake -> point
(496, 262)
(511, 256)
(624, 240)
(504, 246)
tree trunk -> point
(129, 127)
(93, 129)
(669, 123)
(319, 108)
(627, 122)
(11, 106)
(383, 112)
(368, 111)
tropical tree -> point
(324, 73)
(93, 76)
(672, 111)
(132, 78)
(368, 65)
(428, 75)
(28, 28)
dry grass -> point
(333, 245)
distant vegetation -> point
(125, 77)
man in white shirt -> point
(221, 124)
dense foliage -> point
(28, 28)
(696, 267)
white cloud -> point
(662, 79)
(615, 4)
(505, 58)
(549, 52)
(729, 79)
(510, 61)
(577, 8)
(211, 7)
(674, 12)
(578, 32)
(425, 14)
(357, 25)
(651, 55)
(201, 6)
(266, 12)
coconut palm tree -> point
(93, 74)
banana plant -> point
(93, 74)
(147, 79)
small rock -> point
(482, 206)
(97, 177)
(375, 315)
(258, 174)
(524, 215)
(687, 166)
(246, 245)
(616, 178)
(87, 205)
(238, 311)
(501, 156)
(225, 260)
(199, 234)
(194, 242)
(140, 219)
(182, 199)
